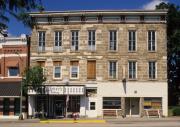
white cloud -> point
(152, 5)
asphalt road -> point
(108, 124)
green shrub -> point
(176, 111)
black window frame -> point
(111, 103)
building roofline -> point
(99, 12)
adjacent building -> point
(100, 63)
(13, 60)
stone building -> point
(100, 63)
(13, 60)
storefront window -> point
(74, 104)
(111, 103)
(6, 106)
(16, 106)
(152, 103)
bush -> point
(176, 111)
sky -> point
(16, 28)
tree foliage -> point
(33, 78)
(18, 9)
(173, 50)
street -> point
(107, 124)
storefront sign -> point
(61, 90)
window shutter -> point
(91, 70)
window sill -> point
(152, 51)
(74, 79)
(132, 51)
(56, 79)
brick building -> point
(13, 60)
(100, 63)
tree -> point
(173, 50)
(18, 9)
(33, 79)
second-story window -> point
(13, 71)
(152, 70)
(57, 41)
(74, 40)
(57, 69)
(91, 40)
(112, 69)
(112, 40)
(132, 70)
(41, 35)
(74, 72)
(151, 40)
(132, 40)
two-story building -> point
(13, 60)
(100, 63)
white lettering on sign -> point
(61, 90)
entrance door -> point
(59, 108)
(132, 106)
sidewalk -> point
(91, 120)
(19, 121)
(144, 119)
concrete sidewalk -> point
(19, 121)
(144, 119)
(88, 120)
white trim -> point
(135, 41)
(135, 70)
(94, 40)
(54, 72)
(155, 70)
(73, 48)
(155, 41)
(116, 40)
(109, 77)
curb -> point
(73, 121)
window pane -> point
(13, 71)
(152, 103)
(57, 72)
(92, 106)
(74, 71)
(111, 103)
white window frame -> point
(60, 72)
(155, 71)
(135, 70)
(154, 42)
(73, 48)
(90, 46)
(110, 77)
(42, 47)
(110, 41)
(13, 76)
(135, 41)
(59, 41)
(77, 73)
